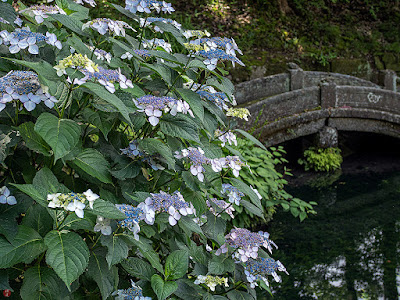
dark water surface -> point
(350, 250)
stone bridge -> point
(299, 103)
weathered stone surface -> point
(327, 137)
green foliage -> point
(82, 171)
(321, 159)
(264, 176)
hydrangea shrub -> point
(118, 180)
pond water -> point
(350, 249)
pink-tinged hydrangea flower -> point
(222, 205)
(246, 243)
(154, 106)
(103, 225)
(226, 137)
(262, 267)
(173, 204)
(6, 197)
(105, 25)
(197, 160)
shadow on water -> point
(350, 249)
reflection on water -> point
(350, 250)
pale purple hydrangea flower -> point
(105, 25)
(133, 216)
(41, 12)
(103, 225)
(262, 267)
(6, 197)
(147, 6)
(226, 137)
(232, 192)
(222, 205)
(197, 160)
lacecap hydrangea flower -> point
(147, 6)
(173, 204)
(142, 53)
(195, 33)
(25, 87)
(133, 216)
(147, 22)
(226, 137)
(41, 12)
(241, 113)
(154, 106)
(213, 56)
(222, 205)
(260, 268)
(211, 281)
(246, 243)
(227, 44)
(133, 293)
(105, 25)
(154, 43)
(74, 202)
(232, 192)
(74, 61)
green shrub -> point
(321, 159)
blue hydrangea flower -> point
(227, 44)
(133, 152)
(133, 293)
(149, 21)
(197, 160)
(106, 25)
(146, 6)
(133, 216)
(233, 193)
(213, 56)
(6, 197)
(41, 12)
(262, 267)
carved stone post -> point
(389, 80)
(296, 75)
(328, 94)
(327, 137)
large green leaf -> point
(67, 254)
(100, 272)
(43, 68)
(138, 268)
(244, 188)
(33, 140)
(39, 219)
(180, 126)
(25, 247)
(251, 138)
(70, 22)
(117, 248)
(194, 101)
(41, 283)
(176, 265)
(155, 146)
(72, 221)
(102, 93)
(93, 163)
(106, 209)
(61, 134)
(148, 252)
(7, 12)
(99, 119)
(161, 288)
(239, 295)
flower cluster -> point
(23, 38)
(173, 204)
(41, 12)
(228, 45)
(6, 197)
(25, 87)
(101, 54)
(146, 6)
(141, 53)
(260, 268)
(149, 21)
(225, 207)
(195, 33)
(197, 159)
(226, 137)
(133, 151)
(17, 21)
(241, 113)
(105, 25)
(134, 293)
(154, 43)
(246, 243)
(232, 162)
(209, 93)
(213, 56)
(153, 107)
(233, 193)
(74, 61)
(211, 281)
(75, 202)
(133, 217)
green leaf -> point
(176, 265)
(93, 163)
(46, 180)
(239, 295)
(117, 248)
(138, 268)
(164, 71)
(39, 195)
(70, 22)
(39, 219)
(100, 272)
(215, 227)
(102, 93)
(98, 119)
(25, 247)
(7, 12)
(194, 101)
(43, 68)
(148, 252)
(67, 254)
(251, 138)
(127, 168)
(252, 208)
(161, 288)
(219, 265)
(61, 134)
(106, 209)
(41, 283)
(4, 284)
(72, 221)
(223, 84)
(33, 140)
(180, 126)
(155, 146)
(244, 188)
(189, 226)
